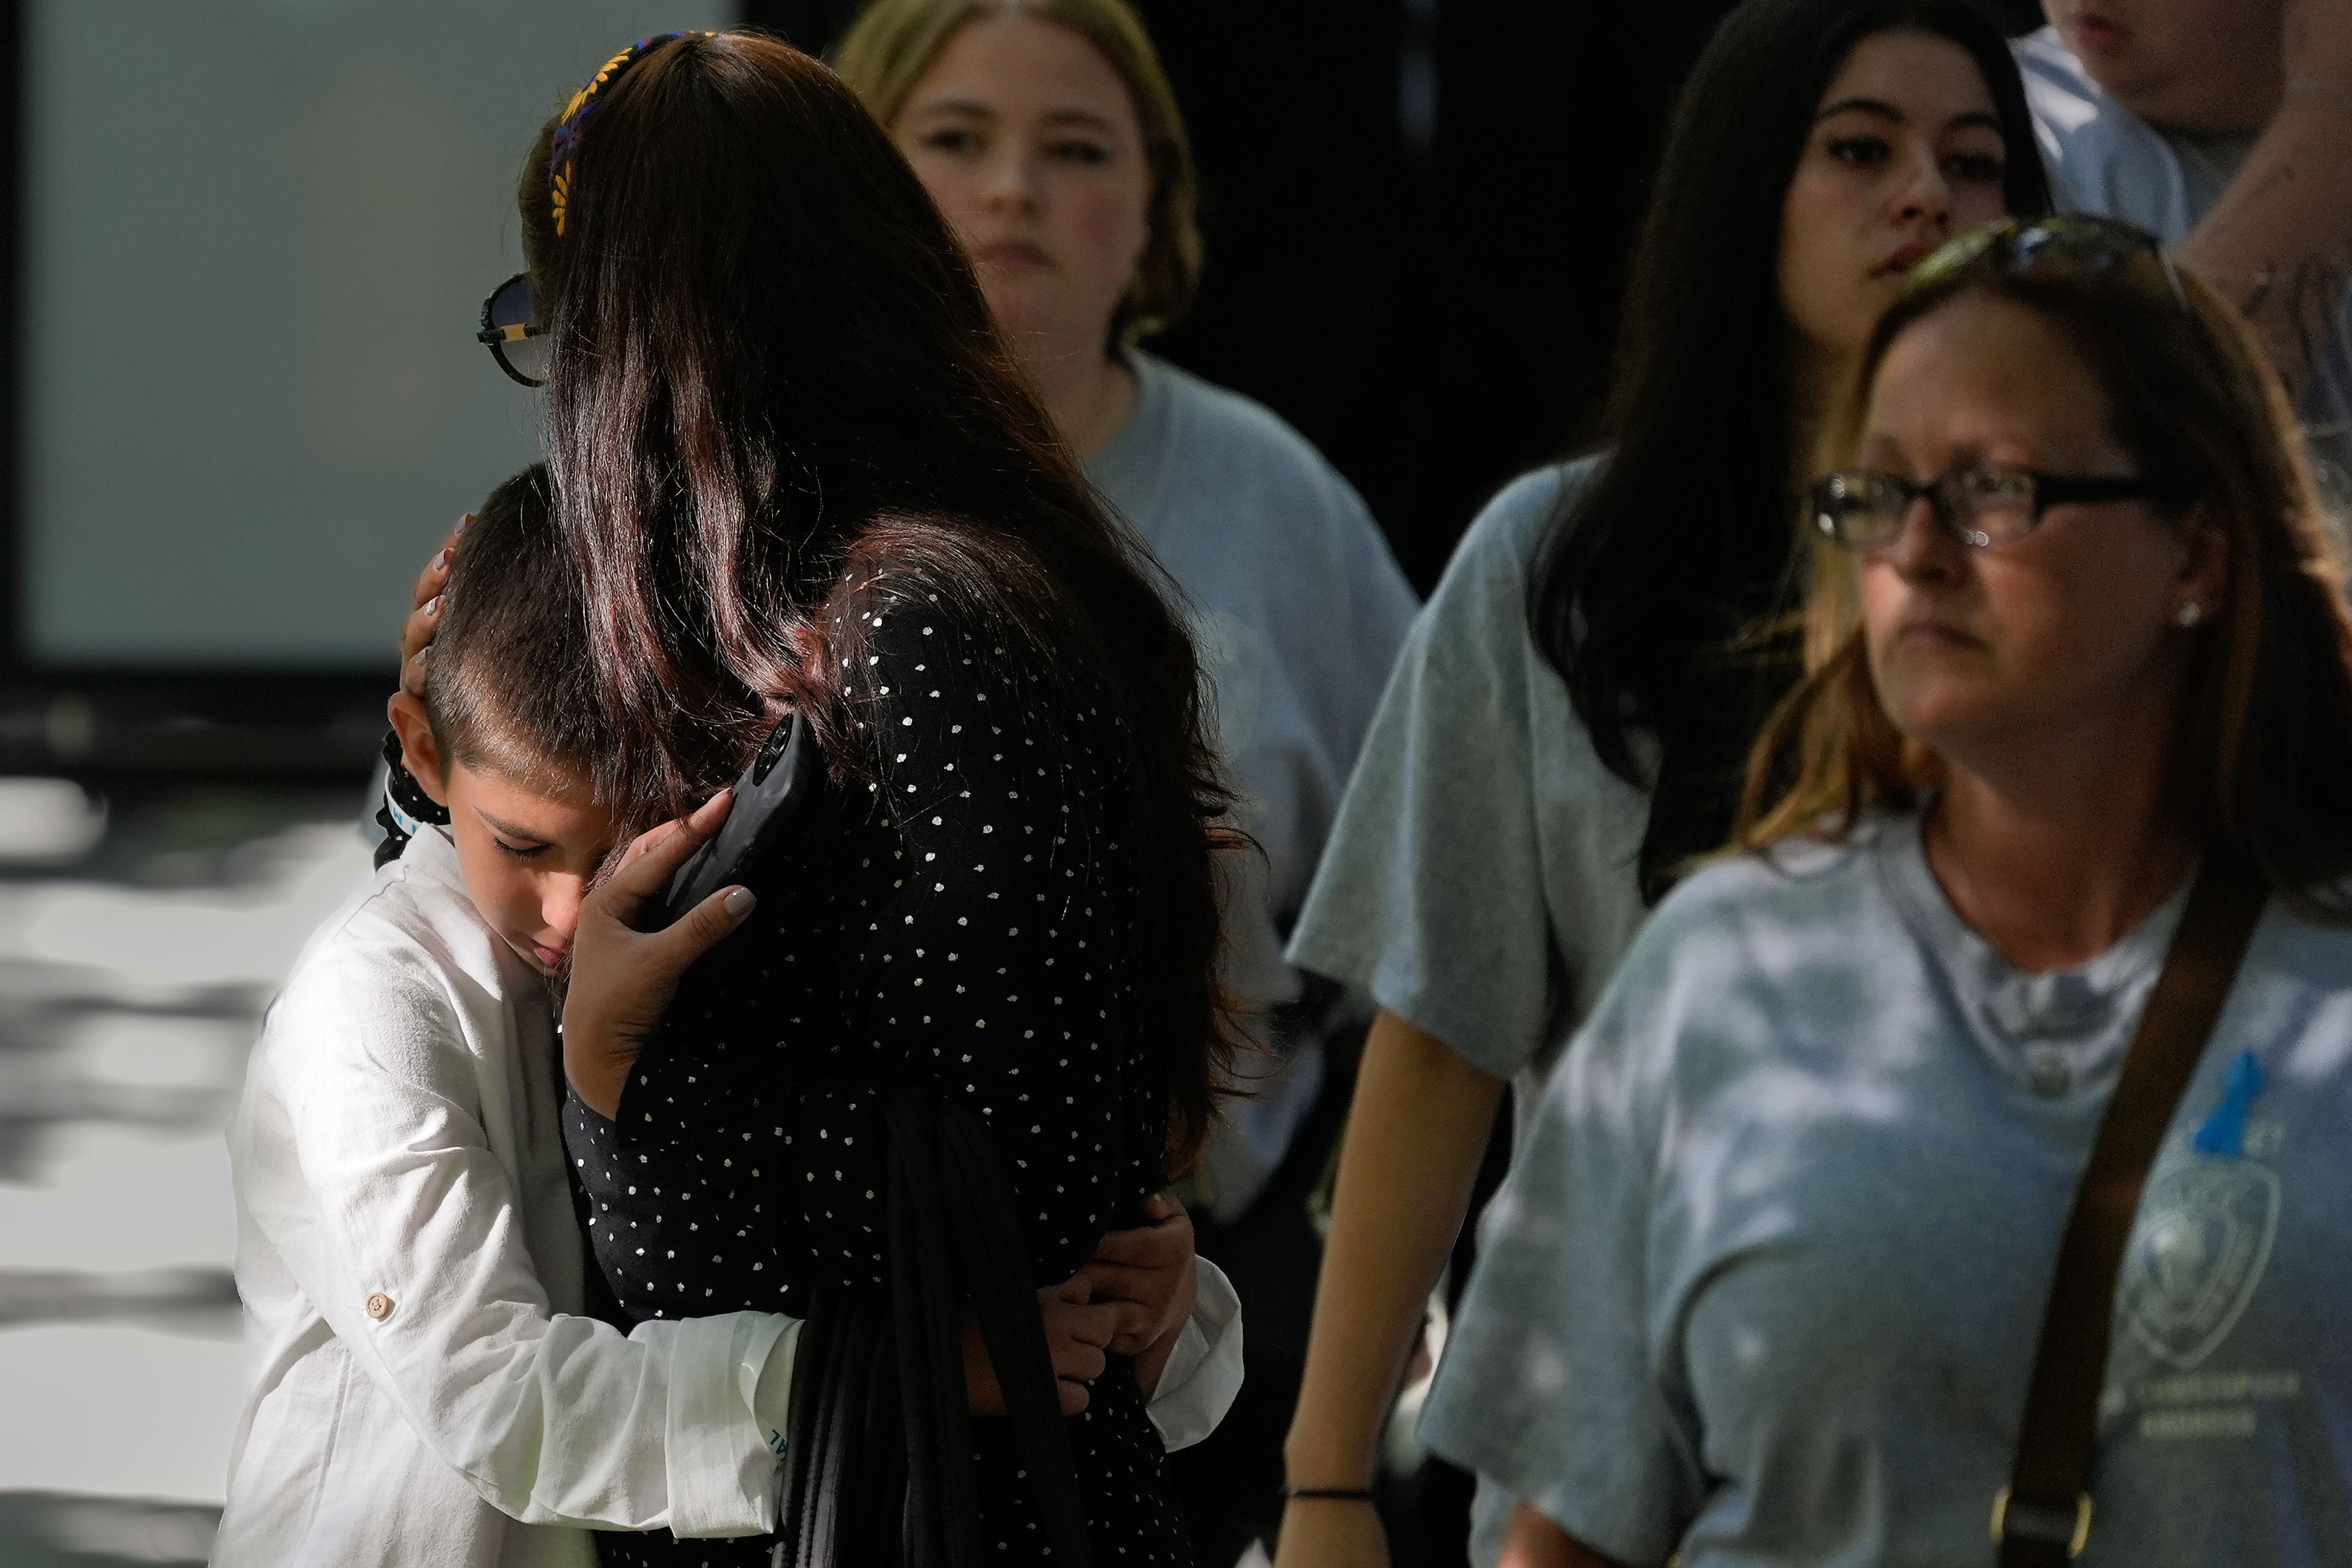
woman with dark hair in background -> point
(1566, 728)
(1047, 133)
(799, 475)
(1768, 1282)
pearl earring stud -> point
(2191, 613)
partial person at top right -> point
(2224, 128)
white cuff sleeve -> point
(1205, 1370)
(722, 1477)
(767, 1374)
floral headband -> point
(583, 105)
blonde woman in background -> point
(1049, 136)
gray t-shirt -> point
(1480, 881)
(1299, 610)
(1766, 1284)
(2103, 159)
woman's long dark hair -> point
(771, 368)
(1683, 539)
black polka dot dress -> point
(964, 919)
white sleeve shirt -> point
(423, 1389)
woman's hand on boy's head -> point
(621, 978)
(1147, 1270)
(425, 615)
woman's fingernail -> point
(463, 523)
(740, 901)
(441, 562)
(433, 605)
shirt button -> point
(2047, 1074)
(379, 1306)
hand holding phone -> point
(786, 772)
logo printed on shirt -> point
(2196, 1256)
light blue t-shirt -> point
(1299, 610)
(1765, 1285)
(2105, 159)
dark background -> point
(1417, 217)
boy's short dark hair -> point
(510, 690)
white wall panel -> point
(256, 239)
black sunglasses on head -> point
(512, 332)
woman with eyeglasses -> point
(1565, 729)
(1774, 1271)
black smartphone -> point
(788, 769)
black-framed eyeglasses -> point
(2075, 244)
(516, 338)
(1979, 504)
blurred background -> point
(243, 245)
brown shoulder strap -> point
(2043, 1517)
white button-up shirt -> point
(424, 1390)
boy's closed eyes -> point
(529, 851)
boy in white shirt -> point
(425, 1389)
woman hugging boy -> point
(425, 1383)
